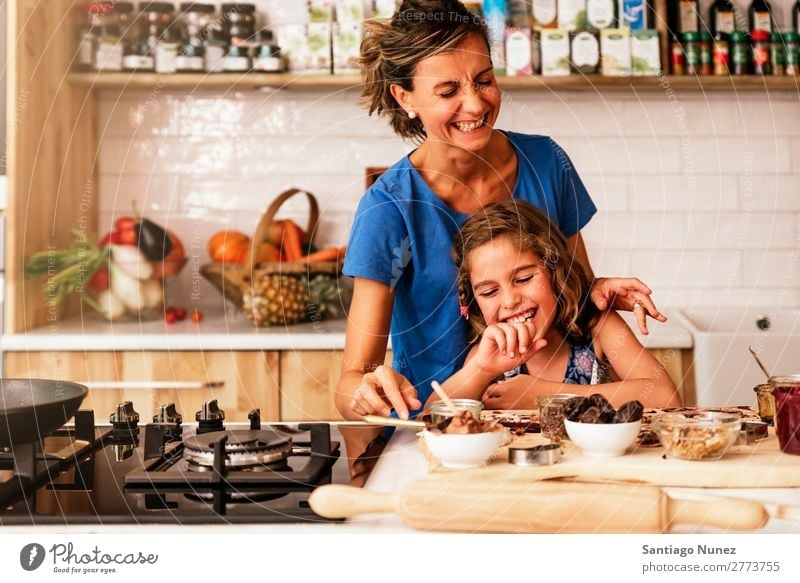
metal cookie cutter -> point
(752, 432)
(539, 455)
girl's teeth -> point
(468, 127)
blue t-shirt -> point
(403, 236)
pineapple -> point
(276, 299)
(273, 299)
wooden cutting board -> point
(744, 466)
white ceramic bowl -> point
(464, 450)
(602, 440)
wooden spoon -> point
(437, 388)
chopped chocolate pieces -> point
(629, 412)
(591, 415)
(576, 406)
(597, 409)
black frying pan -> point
(33, 408)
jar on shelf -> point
(777, 53)
(240, 22)
(761, 52)
(88, 32)
(237, 59)
(721, 54)
(215, 49)
(739, 50)
(161, 35)
(268, 57)
(194, 20)
(791, 42)
(676, 58)
(109, 49)
(691, 51)
(705, 44)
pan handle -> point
(153, 385)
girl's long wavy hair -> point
(530, 230)
(391, 50)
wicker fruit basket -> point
(281, 293)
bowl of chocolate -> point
(466, 442)
(599, 430)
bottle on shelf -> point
(722, 17)
(796, 17)
(760, 16)
(685, 17)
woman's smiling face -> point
(511, 285)
(455, 95)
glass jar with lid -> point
(739, 50)
(721, 54)
(705, 45)
(215, 49)
(691, 50)
(777, 53)
(161, 36)
(267, 58)
(88, 33)
(240, 22)
(791, 42)
(114, 23)
(194, 19)
(761, 52)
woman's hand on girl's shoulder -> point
(505, 346)
(383, 390)
(628, 294)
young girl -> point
(535, 331)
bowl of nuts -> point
(700, 436)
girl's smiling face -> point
(455, 95)
(512, 285)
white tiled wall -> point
(699, 195)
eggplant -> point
(153, 240)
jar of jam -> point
(739, 50)
(195, 19)
(786, 391)
(761, 52)
(777, 53)
(721, 54)
(267, 58)
(791, 42)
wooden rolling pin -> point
(540, 507)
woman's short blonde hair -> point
(530, 230)
(392, 49)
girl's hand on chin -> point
(504, 346)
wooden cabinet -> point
(308, 384)
(249, 379)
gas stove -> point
(165, 472)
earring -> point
(412, 115)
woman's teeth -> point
(468, 127)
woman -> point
(428, 71)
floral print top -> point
(583, 367)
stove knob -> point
(210, 412)
(168, 415)
(125, 415)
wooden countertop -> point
(221, 330)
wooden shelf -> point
(324, 82)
